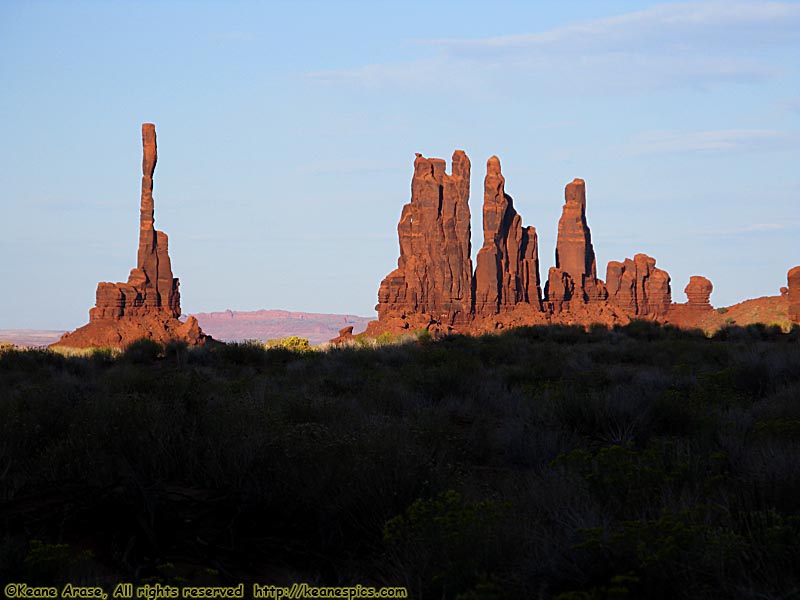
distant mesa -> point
(149, 304)
(30, 338)
(434, 286)
(263, 325)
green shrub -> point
(292, 343)
(446, 542)
(423, 336)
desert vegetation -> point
(639, 462)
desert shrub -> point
(46, 563)
(771, 545)
(142, 351)
(565, 334)
(386, 339)
(671, 415)
(626, 480)
(442, 545)
(292, 343)
(176, 349)
(642, 330)
(651, 554)
(423, 336)
(598, 330)
(18, 360)
(250, 353)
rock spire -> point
(433, 279)
(507, 271)
(574, 278)
(148, 305)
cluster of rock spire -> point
(434, 285)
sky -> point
(287, 133)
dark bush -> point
(142, 351)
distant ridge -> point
(30, 338)
(232, 325)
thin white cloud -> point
(754, 228)
(695, 44)
(674, 23)
(709, 142)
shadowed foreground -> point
(540, 463)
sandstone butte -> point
(149, 304)
(434, 286)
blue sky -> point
(287, 133)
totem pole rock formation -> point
(148, 305)
(507, 271)
(433, 279)
(793, 277)
(575, 275)
(638, 287)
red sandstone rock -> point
(793, 277)
(433, 279)
(505, 292)
(345, 336)
(697, 312)
(148, 305)
(574, 252)
(638, 287)
(621, 284)
(698, 291)
(558, 290)
(507, 271)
